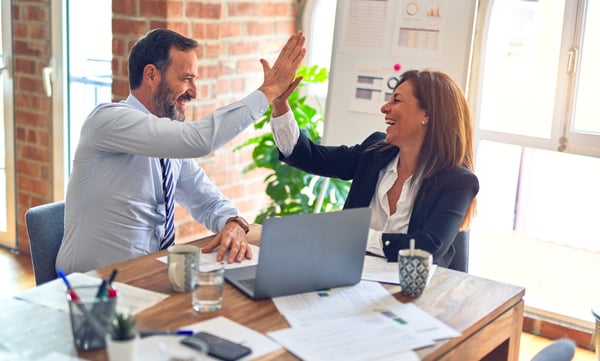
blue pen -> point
(60, 273)
(144, 333)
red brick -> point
(33, 13)
(24, 117)
(19, 30)
(243, 48)
(213, 51)
(269, 9)
(285, 27)
(229, 30)
(34, 186)
(28, 168)
(254, 28)
(203, 10)
(35, 153)
(124, 7)
(203, 30)
(249, 66)
(32, 136)
(182, 27)
(38, 31)
(132, 27)
(153, 8)
(242, 9)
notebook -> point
(306, 252)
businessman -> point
(135, 158)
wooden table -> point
(488, 314)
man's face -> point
(177, 85)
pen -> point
(113, 274)
(75, 299)
(101, 289)
(144, 333)
(70, 290)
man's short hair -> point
(154, 48)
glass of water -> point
(207, 294)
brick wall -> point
(33, 123)
(233, 34)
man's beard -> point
(165, 101)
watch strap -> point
(241, 221)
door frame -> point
(9, 237)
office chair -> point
(461, 257)
(561, 349)
(45, 227)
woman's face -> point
(405, 119)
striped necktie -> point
(169, 237)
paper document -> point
(364, 319)
(220, 326)
(210, 258)
(53, 294)
(380, 270)
(364, 297)
(351, 339)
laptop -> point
(306, 252)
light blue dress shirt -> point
(115, 206)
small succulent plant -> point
(123, 326)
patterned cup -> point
(414, 271)
(183, 262)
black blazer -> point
(440, 204)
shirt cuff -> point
(285, 132)
(374, 243)
(257, 103)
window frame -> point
(561, 138)
(8, 238)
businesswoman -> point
(417, 177)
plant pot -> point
(122, 350)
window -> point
(318, 26)
(538, 148)
(82, 75)
(538, 142)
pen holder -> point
(90, 317)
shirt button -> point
(387, 243)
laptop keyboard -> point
(248, 283)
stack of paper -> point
(361, 322)
(53, 295)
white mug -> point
(183, 262)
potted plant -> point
(122, 338)
(291, 190)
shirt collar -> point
(391, 166)
(136, 103)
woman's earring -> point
(423, 122)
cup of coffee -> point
(413, 269)
(183, 262)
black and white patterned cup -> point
(413, 269)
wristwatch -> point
(241, 221)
